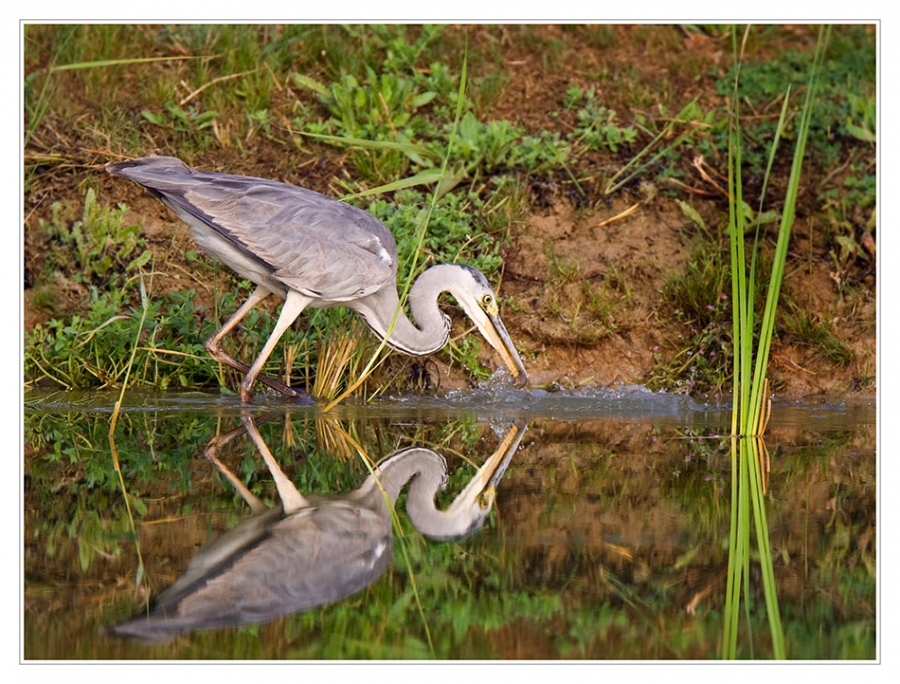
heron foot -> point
(304, 398)
(298, 395)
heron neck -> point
(426, 472)
(424, 468)
(431, 329)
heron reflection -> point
(313, 549)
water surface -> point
(608, 538)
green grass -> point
(364, 112)
(817, 335)
(99, 249)
(698, 295)
(377, 105)
(596, 128)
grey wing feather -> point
(314, 557)
(220, 554)
(310, 242)
(310, 564)
(316, 244)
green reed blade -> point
(748, 490)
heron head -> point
(477, 298)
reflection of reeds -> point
(332, 438)
(748, 498)
(140, 582)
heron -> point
(313, 549)
(314, 251)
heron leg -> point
(212, 455)
(293, 305)
(214, 345)
(291, 500)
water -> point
(608, 538)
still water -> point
(604, 534)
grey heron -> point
(313, 549)
(314, 251)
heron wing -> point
(316, 556)
(216, 556)
(312, 243)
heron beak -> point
(473, 504)
(495, 333)
(484, 483)
(493, 469)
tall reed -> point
(750, 400)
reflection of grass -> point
(597, 597)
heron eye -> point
(487, 300)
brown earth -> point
(573, 245)
(642, 249)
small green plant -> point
(100, 248)
(465, 351)
(562, 271)
(596, 128)
(88, 350)
(378, 118)
(453, 235)
(379, 121)
(817, 335)
(702, 363)
(380, 106)
(861, 121)
(702, 360)
(850, 219)
(501, 146)
(261, 119)
(396, 48)
(187, 124)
